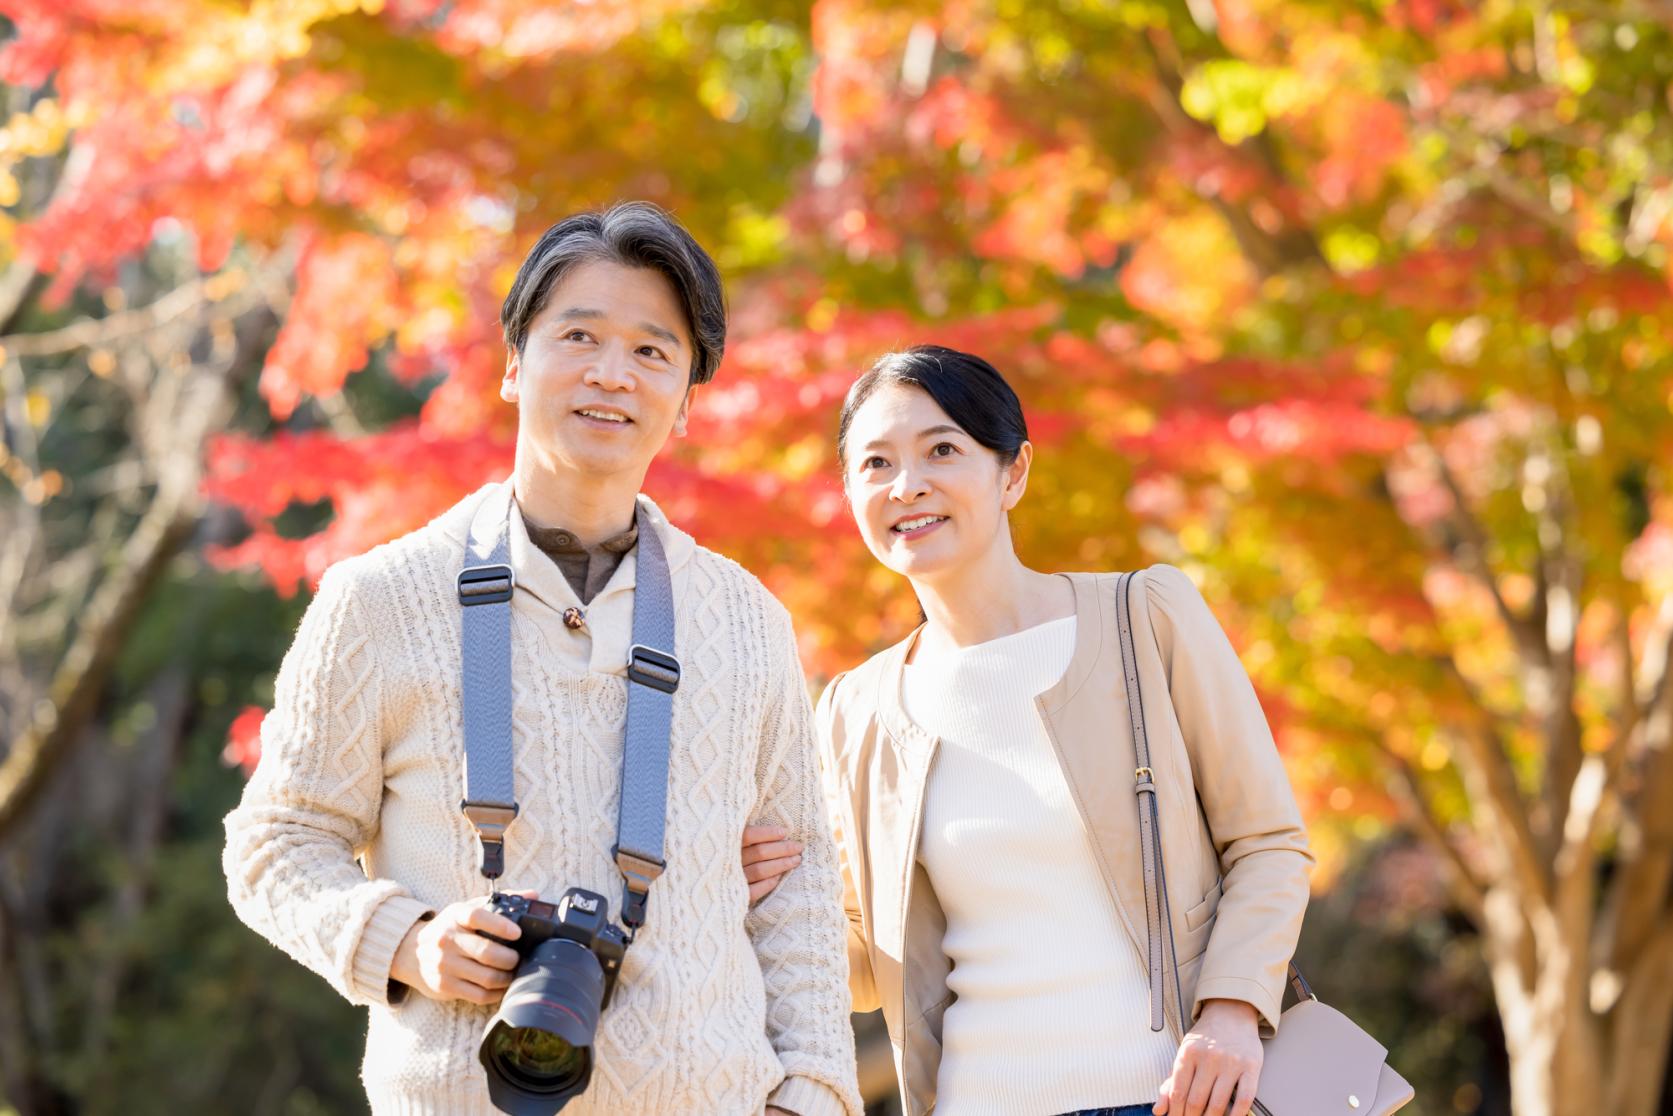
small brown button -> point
(574, 619)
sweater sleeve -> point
(312, 807)
(1246, 798)
(799, 930)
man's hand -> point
(1221, 1055)
(767, 857)
(446, 957)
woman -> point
(980, 780)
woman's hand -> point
(1220, 1057)
(767, 857)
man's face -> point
(602, 378)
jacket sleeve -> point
(312, 806)
(1246, 798)
(797, 930)
(862, 986)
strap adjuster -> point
(491, 820)
(649, 667)
(638, 872)
(480, 585)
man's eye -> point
(575, 335)
(652, 350)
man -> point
(613, 321)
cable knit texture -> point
(720, 1008)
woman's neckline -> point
(988, 644)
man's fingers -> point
(770, 850)
(492, 954)
(770, 869)
(453, 988)
(475, 973)
(482, 920)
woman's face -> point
(928, 498)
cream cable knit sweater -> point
(720, 1009)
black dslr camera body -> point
(537, 1048)
(580, 916)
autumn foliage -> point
(1355, 311)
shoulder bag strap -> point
(1161, 953)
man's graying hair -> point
(633, 234)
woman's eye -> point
(948, 447)
(874, 462)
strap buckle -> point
(490, 820)
(480, 585)
(657, 669)
(638, 872)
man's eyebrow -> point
(944, 428)
(655, 330)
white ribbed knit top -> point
(1051, 1014)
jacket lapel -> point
(1095, 749)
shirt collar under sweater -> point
(543, 590)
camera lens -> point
(538, 1047)
(537, 1059)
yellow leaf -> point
(37, 408)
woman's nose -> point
(908, 485)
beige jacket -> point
(1235, 850)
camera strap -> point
(486, 585)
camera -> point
(537, 1048)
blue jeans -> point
(1124, 1110)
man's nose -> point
(612, 369)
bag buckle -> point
(649, 667)
(480, 585)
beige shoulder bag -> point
(1319, 1063)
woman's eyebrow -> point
(944, 428)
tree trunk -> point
(1642, 1032)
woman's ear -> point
(1015, 477)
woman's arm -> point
(862, 986)
(1246, 797)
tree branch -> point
(112, 328)
(1467, 891)
(106, 621)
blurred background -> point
(1358, 311)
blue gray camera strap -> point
(486, 586)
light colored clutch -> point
(1320, 1063)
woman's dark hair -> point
(968, 388)
(633, 234)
